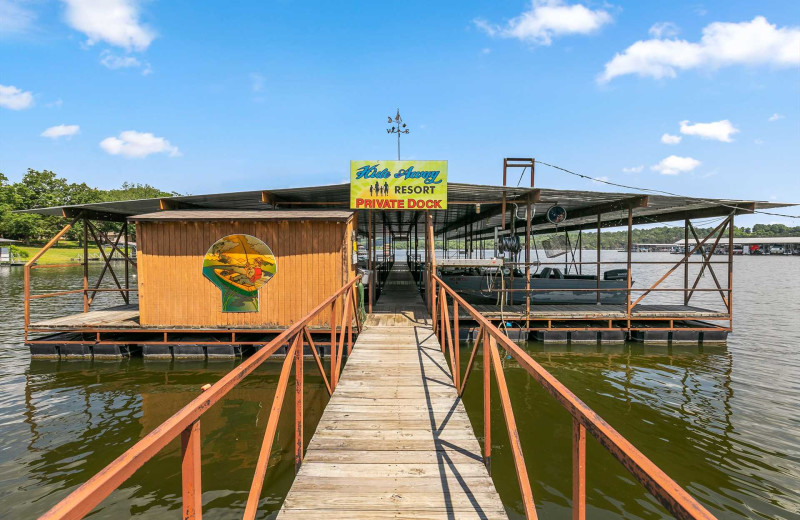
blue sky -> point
(695, 98)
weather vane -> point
(399, 128)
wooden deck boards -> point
(395, 440)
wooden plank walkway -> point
(395, 440)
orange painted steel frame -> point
(674, 498)
(186, 422)
(97, 234)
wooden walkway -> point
(394, 440)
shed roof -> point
(475, 204)
(230, 215)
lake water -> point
(724, 422)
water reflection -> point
(80, 415)
(673, 403)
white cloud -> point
(138, 144)
(775, 117)
(15, 99)
(758, 141)
(673, 165)
(113, 62)
(633, 169)
(257, 82)
(671, 139)
(663, 30)
(113, 21)
(54, 132)
(486, 50)
(547, 19)
(14, 18)
(723, 44)
(718, 130)
(55, 104)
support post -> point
(487, 413)
(333, 345)
(86, 264)
(127, 271)
(456, 345)
(630, 249)
(370, 264)
(503, 207)
(528, 259)
(298, 402)
(686, 262)
(730, 270)
(190, 472)
(578, 470)
(599, 248)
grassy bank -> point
(65, 252)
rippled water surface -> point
(724, 422)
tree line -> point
(42, 189)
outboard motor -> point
(616, 274)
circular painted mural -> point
(239, 265)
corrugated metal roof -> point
(210, 214)
(468, 204)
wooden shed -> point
(311, 259)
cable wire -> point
(660, 192)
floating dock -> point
(394, 440)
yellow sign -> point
(394, 185)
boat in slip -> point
(550, 286)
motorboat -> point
(550, 286)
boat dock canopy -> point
(474, 204)
(223, 215)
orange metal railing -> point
(186, 422)
(674, 498)
(122, 287)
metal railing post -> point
(298, 402)
(191, 473)
(487, 413)
(578, 470)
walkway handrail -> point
(673, 497)
(186, 422)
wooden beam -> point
(534, 195)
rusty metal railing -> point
(186, 422)
(673, 497)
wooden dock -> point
(395, 440)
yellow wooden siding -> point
(313, 261)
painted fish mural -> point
(239, 265)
